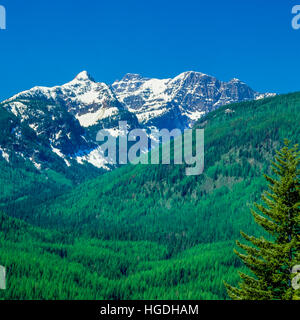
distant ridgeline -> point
(144, 231)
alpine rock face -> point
(44, 125)
(179, 102)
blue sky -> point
(49, 42)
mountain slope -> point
(240, 140)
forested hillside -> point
(149, 231)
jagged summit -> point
(236, 80)
(83, 76)
(191, 73)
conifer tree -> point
(271, 260)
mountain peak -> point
(188, 74)
(83, 76)
(235, 80)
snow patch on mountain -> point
(94, 157)
(38, 166)
(4, 154)
(58, 152)
(92, 118)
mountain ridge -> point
(69, 116)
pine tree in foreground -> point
(272, 260)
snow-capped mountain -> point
(89, 101)
(180, 101)
(68, 117)
(60, 123)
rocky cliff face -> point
(181, 100)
